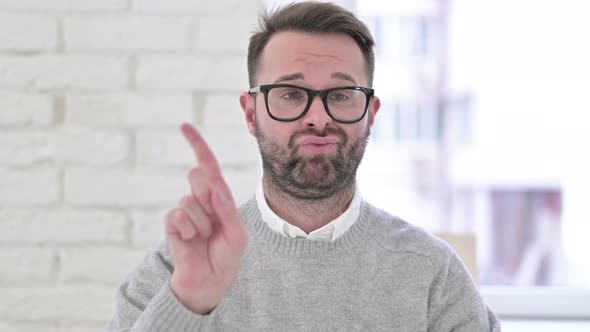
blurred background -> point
(482, 133)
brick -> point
(122, 110)
(34, 5)
(127, 33)
(29, 186)
(164, 148)
(161, 148)
(233, 147)
(222, 110)
(97, 264)
(19, 32)
(148, 227)
(62, 226)
(95, 6)
(27, 265)
(192, 73)
(91, 147)
(50, 327)
(64, 5)
(98, 326)
(51, 71)
(69, 146)
(195, 7)
(73, 303)
(224, 34)
(26, 327)
(123, 188)
(25, 147)
(25, 109)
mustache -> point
(320, 133)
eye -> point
(292, 95)
(339, 97)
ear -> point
(248, 105)
(374, 107)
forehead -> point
(315, 56)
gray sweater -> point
(382, 274)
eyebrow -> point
(343, 76)
(299, 76)
(289, 77)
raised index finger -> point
(201, 150)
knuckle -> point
(170, 215)
(202, 196)
(186, 202)
(173, 217)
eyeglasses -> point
(286, 102)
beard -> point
(314, 177)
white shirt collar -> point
(328, 232)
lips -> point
(316, 144)
(318, 140)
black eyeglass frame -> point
(310, 95)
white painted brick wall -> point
(129, 110)
(48, 6)
(236, 29)
(127, 33)
(48, 327)
(148, 227)
(23, 265)
(164, 148)
(207, 73)
(224, 141)
(200, 8)
(25, 147)
(123, 188)
(34, 5)
(157, 148)
(69, 146)
(82, 146)
(222, 110)
(52, 71)
(74, 302)
(92, 6)
(92, 95)
(27, 109)
(97, 264)
(29, 186)
(62, 226)
(30, 32)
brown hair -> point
(312, 17)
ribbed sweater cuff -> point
(165, 313)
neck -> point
(308, 215)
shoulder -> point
(250, 214)
(248, 207)
(399, 236)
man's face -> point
(313, 157)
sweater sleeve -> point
(145, 301)
(454, 302)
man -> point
(306, 253)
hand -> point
(205, 234)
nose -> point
(317, 117)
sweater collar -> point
(329, 232)
(262, 235)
